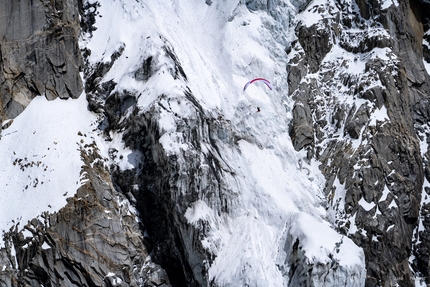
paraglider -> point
(258, 79)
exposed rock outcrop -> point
(95, 240)
(361, 110)
(364, 127)
(168, 181)
(39, 53)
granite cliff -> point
(190, 181)
(379, 164)
(40, 53)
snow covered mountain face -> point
(133, 157)
(361, 110)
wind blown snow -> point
(426, 64)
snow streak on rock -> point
(351, 114)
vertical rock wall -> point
(167, 182)
(375, 161)
(95, 240)
(39, 53)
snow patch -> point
(45, 246)
(385, 4)
(41, 160)
(322, 243)
(198, 211)
(426, 64)
(380, 115)
(317, 11)
(366, 205)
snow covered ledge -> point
(316, 255)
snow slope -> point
(41, 158)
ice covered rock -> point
(225, 192)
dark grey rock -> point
(163, 194)
(356, 120)
(145, 71)
(39, 53)
(387, 153)
(301, 133)
(93, 241)
(300, 4)
(316, 44)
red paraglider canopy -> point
(258, 79)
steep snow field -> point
(41, 158)
(220, 47)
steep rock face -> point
(360, 99)
(369, 96)
(39, 53)
(95, 240)
(171, 181)
(189, 156)
(168, 178)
